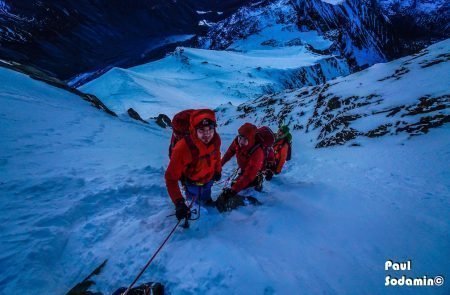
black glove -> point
(181, 210)
(228, 193)
(228, 200)
(223, 201)
(217, 176)
(268, 174)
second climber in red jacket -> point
(249, 156)
(195, 161)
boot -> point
(259, 183)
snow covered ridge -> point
(410, 95)
(247, 21)
(193, 77)
(36, 74)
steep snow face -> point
(62, 163)
(206, 78)
(355, 30)
(247, 21)
(410, 95)
(278, 35)
(79, 186)
(363, 32)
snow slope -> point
(79, 186)
(62, 163)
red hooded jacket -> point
(250, 165)
(181, 165)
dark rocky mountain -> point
(363, 31)
(417, 23)
(66, 38)
(69, 38)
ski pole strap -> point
(151, 259)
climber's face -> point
(205, 134)
(242, 141)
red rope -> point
(151, 259)
(160, 247)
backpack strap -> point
(194, 152)
(254, 148)
(173, 142)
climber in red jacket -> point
(195, 160)
(249, 156)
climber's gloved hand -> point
(181, 210)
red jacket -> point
(280, 148)
(180, 164)
(250, 165)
